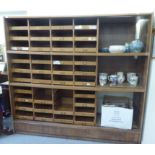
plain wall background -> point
(94, 7)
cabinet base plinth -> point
(79, 132)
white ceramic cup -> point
(103, 77)
(130, 74)
(120, 77)
(132, 79)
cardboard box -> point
(114, 115)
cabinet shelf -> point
(81, 86)
(81, 52)
(124, 54)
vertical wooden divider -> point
(30, 58)
(146, 72)
(96, 81)
(51, 56)
(73, 29)
(52, 91)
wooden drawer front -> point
(38, 49)
(55, 49)
(84, 123)
(85, 38)
(63, 112)
(57, 62)
(18, 28)
(20, 49)
(39, 28)
(91, 105)
(21, 61)
(62, 38)
(85, 27)
(85, 73)
(17, 99)
(20, 38)
(21, 80)
(17, 70)
(40, 81)
(85, 63)
(85, 114)
(93, 96)
(46, 62)
(63, 72)
(84, 83)
(23, 91)
(24, 117)
(49, 111)
(43, 119)
(64, 27)
(88, 50)
(43, 101)
(23, 108)
(57, 82)
(41, 71)
(63, 121)
(40, 38)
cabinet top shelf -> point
(87, 16)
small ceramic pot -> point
(136, 46)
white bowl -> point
(116, 49)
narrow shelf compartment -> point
(41, 60)
(86, 46)
(63, 102)
(81, 120)
(62, 46)
(20, 35)
(84, 81)
(40, 46)
(43, 108)
(42, 96)
(41, 78)
(38, 116)
(40, 35)
(19, 59)
(63, 80)
(63, 119)
(17, 24)
(19, 45)
(59, 35)
(24, 115)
